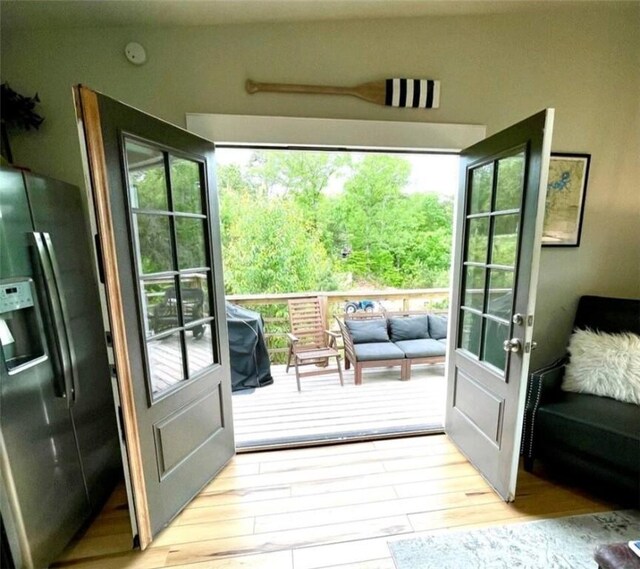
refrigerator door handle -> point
(44, 247)
(72, 373)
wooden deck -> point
(329, 507)
(323, 410)
(165, 358)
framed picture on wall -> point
(566, 189)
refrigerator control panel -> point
(15, 295)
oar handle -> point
(255, 87)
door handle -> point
(56, 315)
(514, 345)
(71, 370)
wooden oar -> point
(416, 93)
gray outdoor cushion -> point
(365, 331)
(378, 351)
(437, 327)
(409, 328)
(421, 348)
(443, 341)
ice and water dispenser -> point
(21, 332)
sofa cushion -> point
(378, 351)
(370, 330)
(437, 327)
(592, 426)
(409, 328)
(421, 348)
(604, 364)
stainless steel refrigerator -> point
(59, 448)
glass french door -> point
(497, 250)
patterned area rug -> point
(561, 543)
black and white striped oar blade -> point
(415, 93)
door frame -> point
(349, 135)
(92, 148)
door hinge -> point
(99, 258)
(121, 421)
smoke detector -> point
(135, 53)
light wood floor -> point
(325, 410)
(323, 507)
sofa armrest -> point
(349, 351)
(544, 385)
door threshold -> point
(337, 438)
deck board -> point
(325, 409)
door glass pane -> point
(185, 185)
(190, 237)
(505, 240)
(481, 182)
(147, 183)
(194, 297)
(473, 295)
(153, 241)
(477, 239)
(470, 324)
(199, 347)
(165, 362)
(494, 336)
(510, 182)
(500, 293)
(159, 308)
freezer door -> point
(42, 488)
(59, 216)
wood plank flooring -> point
(323, 507)
(325, 410)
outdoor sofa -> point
(392, 339)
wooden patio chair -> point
(309, 341)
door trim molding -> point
(89, 120)
(253, 130)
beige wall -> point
(494, 69)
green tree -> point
(270, 247)
(303, 176)
(282, 231)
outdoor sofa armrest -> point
(349, 350)
(544, 386)
(292, 339)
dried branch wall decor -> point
(18, 113)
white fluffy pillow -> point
(604, 364)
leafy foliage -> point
(283, 230)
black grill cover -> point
(250, 366)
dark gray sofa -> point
(589, 439)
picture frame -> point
(566, 191)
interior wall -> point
(495, 70)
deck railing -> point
(273, 308)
